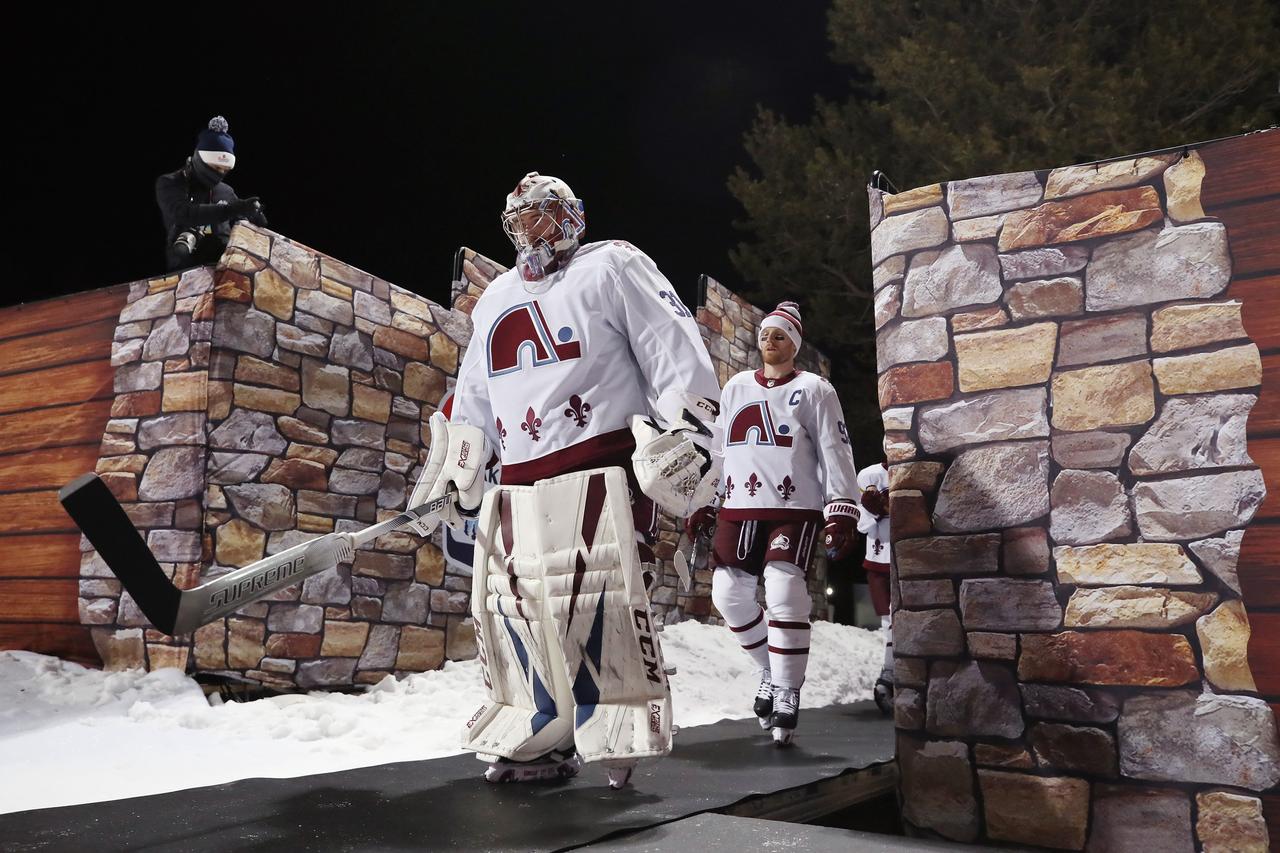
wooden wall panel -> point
(1253, 228)
(33, 512)
(1240, 168)
(1265, 452)
(1264, 420)
(48, 315)
(54, 386)
(47, 467)
(40, 555)
(59, 426)
(69, 642)
(1261, 312)
(56, 392)
(40, 600)
(63, 346)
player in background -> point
(873, 521)
(788, 471)
(588, 378)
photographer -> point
(198, 207)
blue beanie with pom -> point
(215, 146)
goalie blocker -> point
(567, 641)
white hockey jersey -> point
(556, 368)
(786, 448)
(876, 530)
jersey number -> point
(681, 311)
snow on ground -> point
(71, 735)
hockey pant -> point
(779, 641)
(567, 641)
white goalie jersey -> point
(556, 367)
(786, 448)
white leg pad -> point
(563, 617)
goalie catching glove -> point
(676, 466)
(839, 534)
(456, 460)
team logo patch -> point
(522, 334)
(781, 542)
(754, 424)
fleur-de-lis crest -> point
(578, 410)
(531, 424)
(753, 484)
(786, 489)
(502, 434)
(728, 488)
(878, 547)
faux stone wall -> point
(279, 396)
(1065, 391)
(152, 457)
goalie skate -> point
(620, 775)
(551, 768)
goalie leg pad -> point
(598, 599)
(530, 709)
(561, 569)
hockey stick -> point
(700, 553)
(180, 611)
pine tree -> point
(947, 89)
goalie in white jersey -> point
(588, 378)
(788, 471)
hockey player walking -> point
(873, 521)
(788, 470)
(588, 378)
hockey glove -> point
(875, 501)
(672, 469)
(456, 460)
(839, 535)
(700, 522)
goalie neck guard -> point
(545, 222)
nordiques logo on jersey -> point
(755, 419)
(523, 328)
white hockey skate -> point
(786, 713)
(551, 767)
(882, 693)
(763, 705)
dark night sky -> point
(389, 134)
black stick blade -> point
(111, 532)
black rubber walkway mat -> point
(444, 804)
(715, 833)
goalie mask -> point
(544, 221)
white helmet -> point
(544, 241)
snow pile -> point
(74, 735)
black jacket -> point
(188, 205)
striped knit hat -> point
(787, 318)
